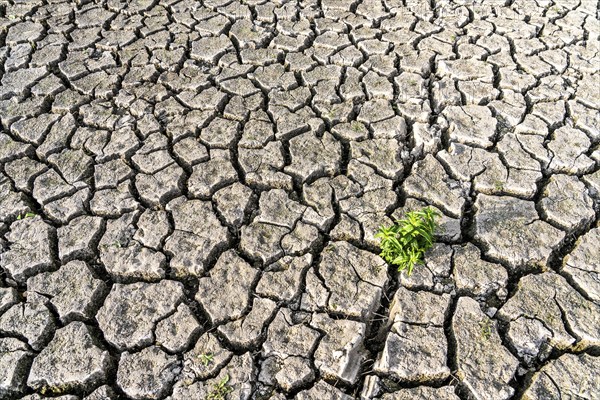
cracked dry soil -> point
(189, 192)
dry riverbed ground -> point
(189, 193)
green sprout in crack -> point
(404, 243)
(220, 390)
(27, 215)
(357, 126)
(206, 359)
(486, 328)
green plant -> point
(206, 359)
(486, 328)
(357, 126)
(27, 215)
(220, 390)
(404, 243)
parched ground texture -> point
(189, 192)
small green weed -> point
(220, 390)
(28, 215)
(486, 328)
(357, 126)
(206, 359)
(405, 243)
